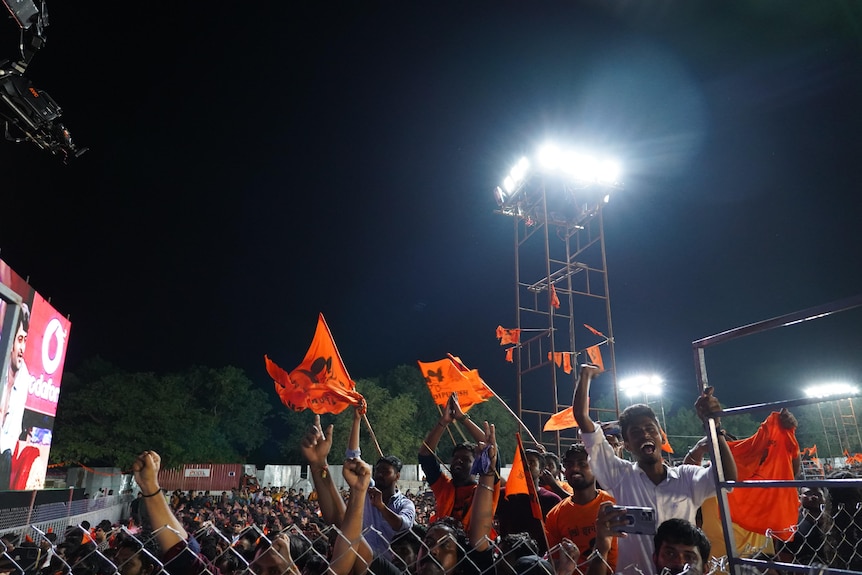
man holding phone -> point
(672, 492)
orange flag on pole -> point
(507, 336)
(595, 355)
(561, 420)
(555, 301)
(520, 480)
(509, 355)
(594, 331)
(445, 377)
(321, 382)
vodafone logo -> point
(53, 345)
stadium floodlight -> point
(836, 389)
(571, 164)
(643, 384)
(608, 172)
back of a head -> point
(533, 565)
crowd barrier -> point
(830, 538)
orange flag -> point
(555, 301)
(445, 377)
(509, 354)
(562, 420)
(595, 355)
(567, 363)
(665, 444)
(594, 331)
(321, 382)
(507, 336)
(520, 480)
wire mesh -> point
(828, 533)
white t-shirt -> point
(681, 493)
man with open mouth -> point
(673, 492)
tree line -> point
(107, 416)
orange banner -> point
(562, 420)
(595, 355)
(507, 336)
(555, 301)
(445, 377)
(321, 382)
(594, 331)
(520, 480)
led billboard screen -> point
(34, 335)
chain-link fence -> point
(828, 534)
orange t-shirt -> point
(578, 523)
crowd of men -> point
(595, 512)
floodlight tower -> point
(561, 282)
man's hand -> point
(357, 474)
(452, 411)
(547, 479)
(376, 497)
(146, 469)
(315, 445)
(707, 404)
(276, 559)
(490, 438)
(589, 371)
(565, 557)
(608, 523)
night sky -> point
(252, 165)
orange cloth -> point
(555, 301)
(507, 336)
(594, 331)
(321, 382)
(578, 523)
(509, 357)
(521, 481)
(595, 355)
(456, 501)
(561, 420)
(445, 377)
(768, 454)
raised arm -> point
(350, 544)
(433, 438)
(482, 508)
(581, 403)
(705, 406)
(315, 447)
(353, 450)
(169, 531)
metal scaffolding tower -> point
(838, 418)
(562, 299)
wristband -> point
(153, 494)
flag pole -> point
(371, 432)
(512, 413)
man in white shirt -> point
(673, 492)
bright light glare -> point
(550, 156)
(642, 385)
(831, 389)
(509, 184)
(608, 172)
(607, 198)
(520, 169)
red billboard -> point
(33, 341)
